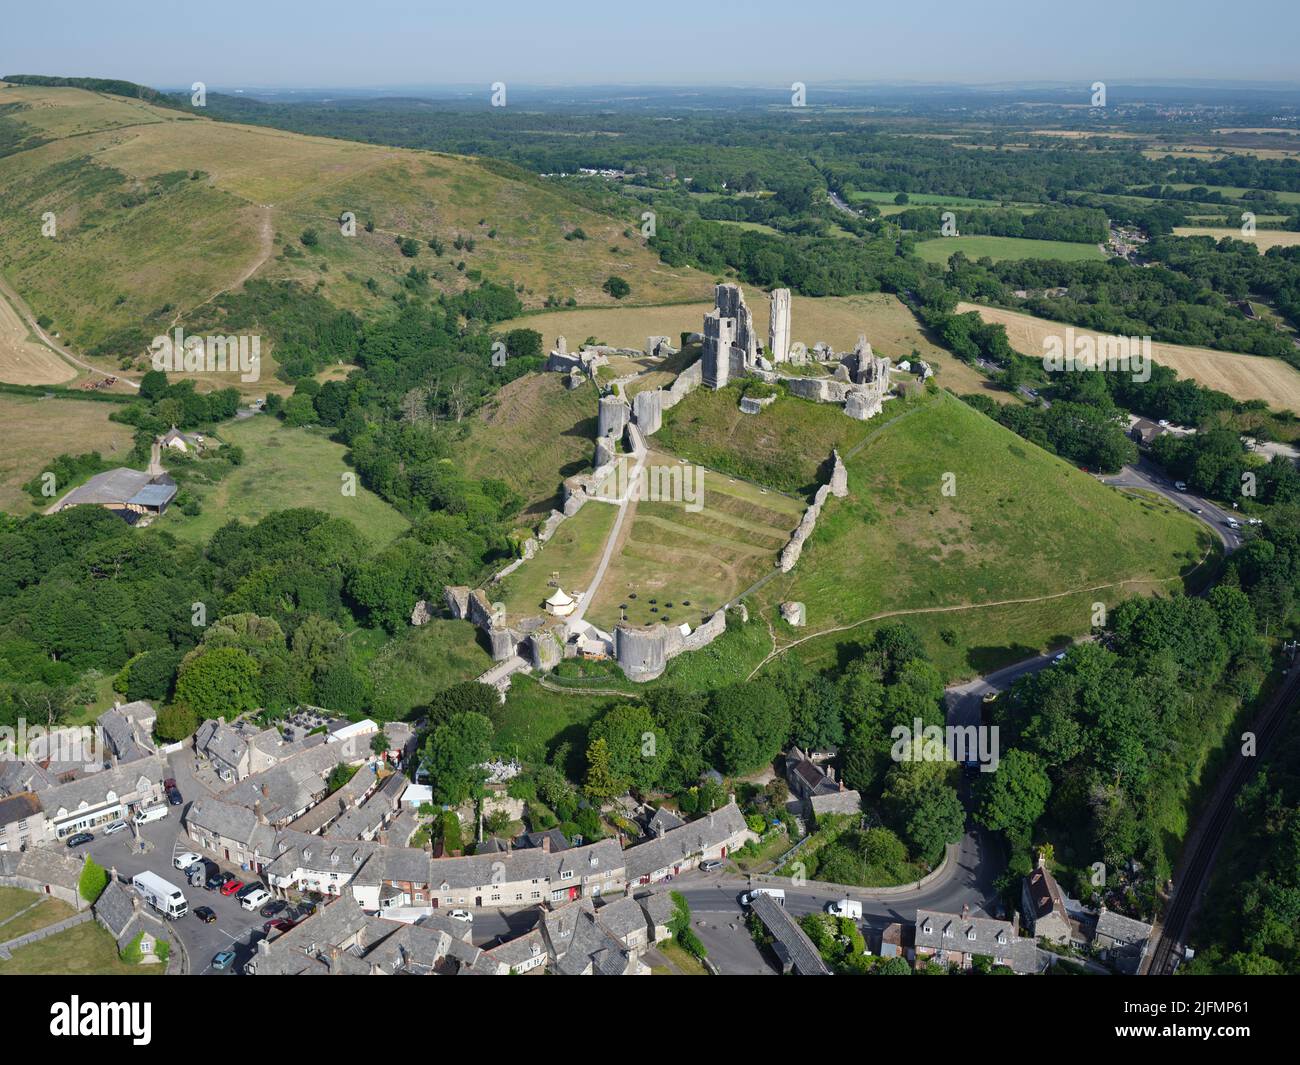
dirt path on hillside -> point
(957, 608)
(266, 241)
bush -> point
(616, 287)
(94, 879)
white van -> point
(845, 908)
(777, 895)
(150, 814)
(254, 899)
(185, 860)
(162, 896)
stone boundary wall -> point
(838, 485)
(42, 933)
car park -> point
(78, 838)
(113, 828)
(223, 960)
(232, 886)
(205, 914)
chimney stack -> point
(546, 843)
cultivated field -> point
(34, 431)
(1263, 239)
(693, 561)
(1240, 376)
(285, 468)
(941, 249)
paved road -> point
(1147, 475)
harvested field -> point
(1243, 377)
(34, 430)
(1263, 239)
(24, 360)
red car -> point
(231, 886)
(280, 924)
(169, 784)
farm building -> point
(131, 494)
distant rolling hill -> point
(157, 212)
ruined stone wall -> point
(613, 415)
(778, 326)
(647, 411)
(838, 485)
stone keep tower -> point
(730, 344)
(778, 326)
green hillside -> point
(1021, 530)
(137, 191)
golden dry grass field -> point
(1263, 239)
(34, 430)
(1241, 376)
(138, 191)
(24, 360)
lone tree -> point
(616, 287)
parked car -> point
(461, 915)
(174, 797)
(204, 914)
(78, 838)
(184, 860)
(710, 866)
(231, 886)
(169, 783)
(223, 959)
(113, 828)
(1181, 486)
(254, 899)
(274, 909)
(151, 814)
(280, 924)
(1058, 659)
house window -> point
(495, 896)
(146, 945)
(536, 894)
(567, 874)
(519, 896)
(971, 935)
(419, 896)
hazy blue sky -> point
(407, 42)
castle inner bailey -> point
(859, 381)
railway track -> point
(1192, 876)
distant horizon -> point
(387, 45)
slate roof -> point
(231, 821)
(681, 843)
(289, 786)
(659, 907)
(789, 939)
(535, 839)
(93, 788)
(664, 820)
(623, 918)
(1020, 953)
(18, 807)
